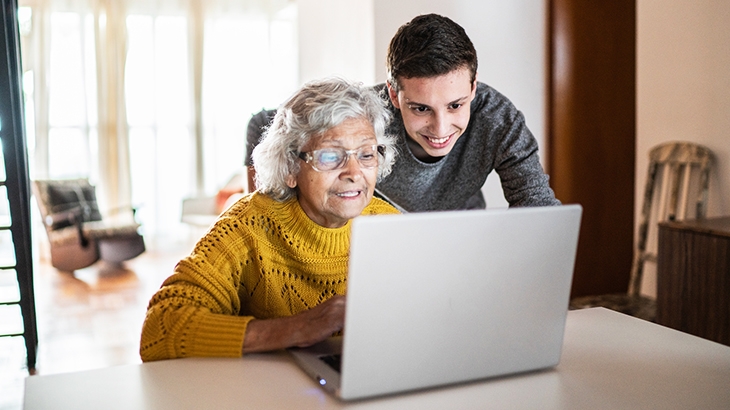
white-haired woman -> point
(272, 271)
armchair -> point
(77, 233)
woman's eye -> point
(456, 106)
(329, 157)
(419, 109)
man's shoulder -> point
(491, 106)
(382, 91)
(380, 88)
(262, 117)
(486, 95)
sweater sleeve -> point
(523, 179)
(196, 311)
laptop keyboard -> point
(334, 361)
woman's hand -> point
(301, 330)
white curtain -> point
(113, 185)
(150, 98)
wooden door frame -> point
(592, 133)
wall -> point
(336, 38)
(683, 89)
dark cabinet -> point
(693, 277)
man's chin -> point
(434, 151)
(437, 153)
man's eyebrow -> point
(411, 102)
(456, 101)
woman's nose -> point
(352, 168)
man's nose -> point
(440, 125)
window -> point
(172, 139)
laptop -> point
(440, 298)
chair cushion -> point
(69, 195)
(111, 228)
(94, 230)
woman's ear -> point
(291, 181)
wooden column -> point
(592, 133)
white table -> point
(610, 361)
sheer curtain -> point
(150, 98)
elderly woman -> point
(272, 271)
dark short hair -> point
(428, 46)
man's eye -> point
(419, 109)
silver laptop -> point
(447, 297)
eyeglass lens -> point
(328, 159)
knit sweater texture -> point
(496, 138)
(262, 259)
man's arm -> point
(524, 181)
(256, 127)
(250, 179)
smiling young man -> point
(452, 131)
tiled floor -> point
(88, 320)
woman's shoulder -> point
(249, 204)
(378, 206)
(249, 201)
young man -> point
(452, 131)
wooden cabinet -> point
(693, 277)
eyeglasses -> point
(330, 159)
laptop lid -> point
(446, 297)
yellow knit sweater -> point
(262, 259)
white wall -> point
(336, 38)
(350, 37)
(683, 89)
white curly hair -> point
(315, 108)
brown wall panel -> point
(592, 133)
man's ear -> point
(474, 87)
(291, 181)
(393, 95)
